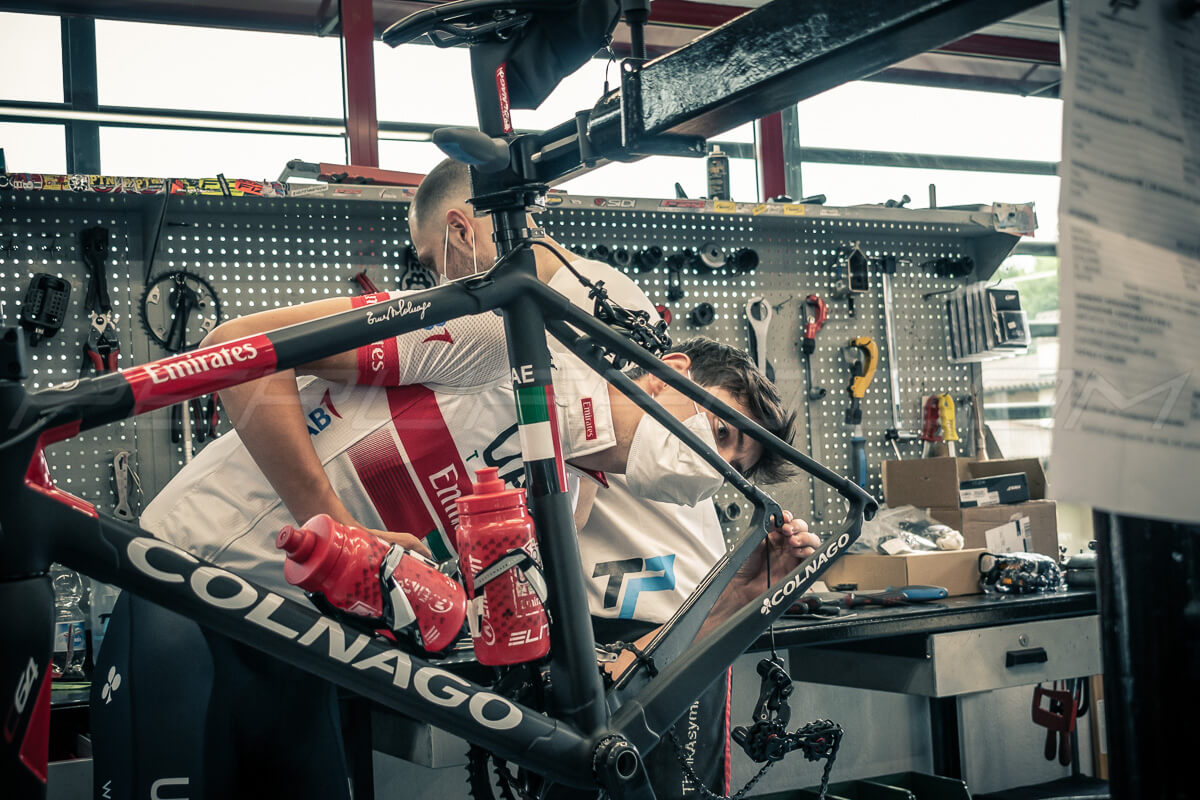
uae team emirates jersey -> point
(641, 558)
(398, 456)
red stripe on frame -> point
(728, 754)
(560, 466)
(35, 746)
(37, 475)
(432, 452)
(157, 384)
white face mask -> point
(661, 467)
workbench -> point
(947, 650)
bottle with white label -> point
(70, 648)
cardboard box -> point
(955, 570)
(934, 482)
(974, 523)
(994, 490)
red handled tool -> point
(815, 314)
(931, 416)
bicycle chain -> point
(708, 794)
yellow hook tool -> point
(862, 356)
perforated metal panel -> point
(798, 256)
(264, 253)
(257, 254)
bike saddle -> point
(469, 21)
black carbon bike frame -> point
(588, 738)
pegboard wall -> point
(798, 257)
(263, 253)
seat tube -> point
(577, 688)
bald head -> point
(448, 237)
(448, 184)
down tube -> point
(578, 691)
(120, 553)
(644, 717)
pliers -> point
(101, 347)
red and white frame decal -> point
(162, 383)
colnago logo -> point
(436, 686)
(811, 569)
(197, 363)
(401, 308)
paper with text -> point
(1127, 418)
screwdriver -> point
(946, 418)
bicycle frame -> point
(581, 743)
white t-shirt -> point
(397, 456)
(641, 558)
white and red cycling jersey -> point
(398, 453)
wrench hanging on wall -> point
(758, 315)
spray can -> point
(503, 571)
(718, 174)
(360, 574)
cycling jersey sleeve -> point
(460, 353)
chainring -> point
(157, 313)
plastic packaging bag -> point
(1019, 573)
(905, 529)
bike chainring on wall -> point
(178, 309)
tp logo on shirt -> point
(659, 576)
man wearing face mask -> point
(641, 558)
(366, 456)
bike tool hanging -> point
(178, 310)
(896, 434)
(815, 314)
(101, 350)
(862, 356)
(852, 275)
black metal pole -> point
(80, 93)
(1149, 592)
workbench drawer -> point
(959, 662)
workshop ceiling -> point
(1019, 55)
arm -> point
(271, 423)
(788, 544)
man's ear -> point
(461, 233)
(679, 362)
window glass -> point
(657, 176)
(847, 185)
(868, 115)
(156, 153)
(1019, 391)
(30, 58)
(32, 147)
(423, 83)
(215, 69)
(419, 157)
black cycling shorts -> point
(181, 712)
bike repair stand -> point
(26, 595)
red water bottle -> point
(363, 575)
(503, 571)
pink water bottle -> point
(503, 570)
(361, 574)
